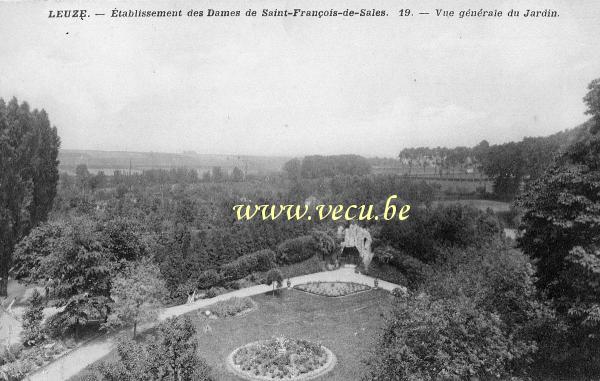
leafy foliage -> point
(429, 339)
(430, 229)
(76, 258)
(259, 261)
(137, 292)
(231, 306)
(296, 249)
(28, 175)
(327, 166)
(476, 315)
(275, 278)
(561, 227)
(170, 355)
(32, 320)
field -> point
(347, 326)
(496, 206)
(109, 161)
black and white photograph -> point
(293, 190)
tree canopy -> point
(561, 231)
(28, 175)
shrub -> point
(16, 370)
(427, 230)
(208, 279)
(170, 355)
(32, 320)
(258, 261)
(231, 307)
(311, 265)
(296, 249)
(275, 278)
(10, 353)
(426, 339)
(413, 270)
(323, 243)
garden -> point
(346, 326)
(231, 307)
(332, 289)
(281, 358)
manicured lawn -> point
(347, 326)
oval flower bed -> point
(281, 359)
(332, 288)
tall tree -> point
(237, 175)
(28, 175)
(561, 228)
(592, 100)
(137, 292)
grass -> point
(347, 326)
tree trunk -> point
(5, 259)
(134, 329)
(3, 284)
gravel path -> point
(73, 362)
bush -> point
(275, 278)
(477, 315)
(428, 230)
(170, 355)
(310, 266)
(258, 261)
(10, 353)
(296, 249)
(231, 307)
(208, 279)
(215, 291)
(16, 370)
(324, 244)
(413, 271)
(428, 339)
(32, 320)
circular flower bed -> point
(332, 288)
(281, 359)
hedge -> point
(208, 279)
(262, 260)
(296, 249)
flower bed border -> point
(202, 312)
(369, 288)
(329, 365)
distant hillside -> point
(109, 161)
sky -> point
(298, 86)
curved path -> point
(73, 362)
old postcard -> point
(299, 190)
